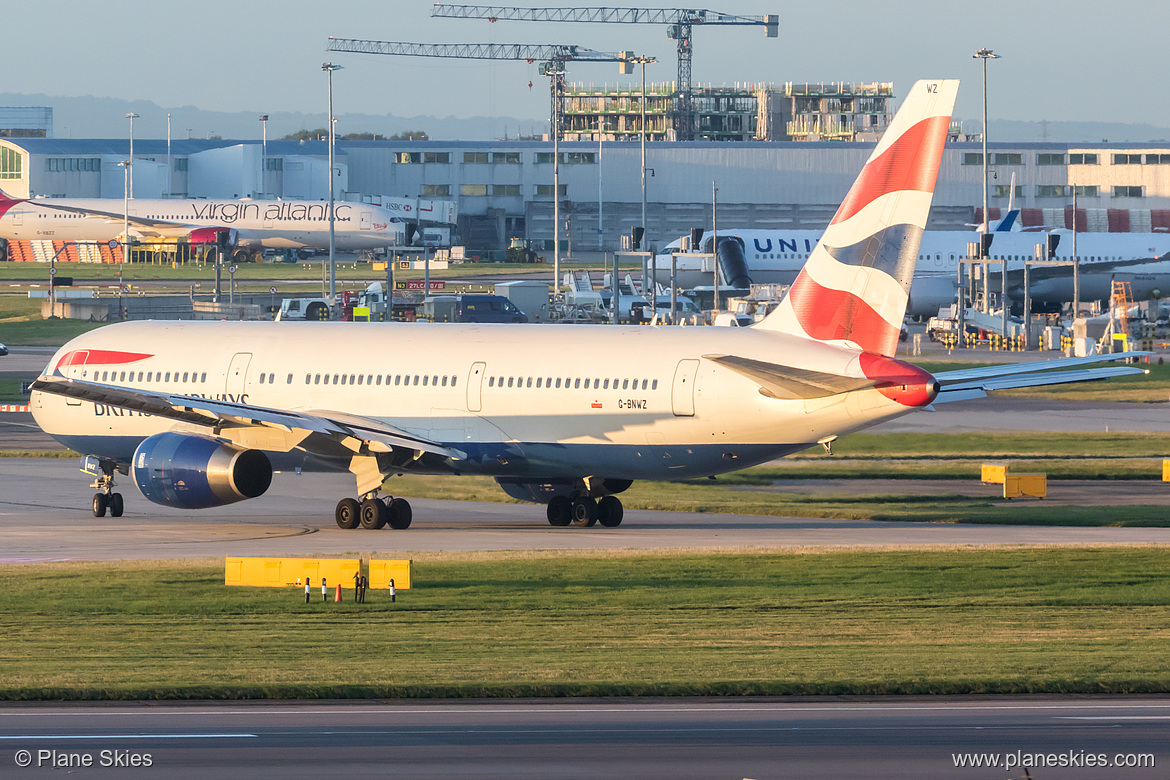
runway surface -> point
(45, 515)
(887, 738)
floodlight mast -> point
(681, 21)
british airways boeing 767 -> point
(199, 414)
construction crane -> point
(680, 22)
(552, 58)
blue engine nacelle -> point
(928, 294)
(195, 472)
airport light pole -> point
(170, 166)
(126, 165)
(131, 116)
(329, 67)
(264, 155)
(985, 55)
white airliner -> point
(1142, 259)
(246, 223)
(199, 414)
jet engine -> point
(195, 472)
(928, 293)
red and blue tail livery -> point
(854, 288)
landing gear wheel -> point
(400, 514)
(560, 511)
(373, 514)
(348, 513)
(99, 504)
(610, 511)
(115, 503)
(584, 513)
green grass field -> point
(714, 497)
(857, 622)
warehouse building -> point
(505, 188)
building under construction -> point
(833, 111)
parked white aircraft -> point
(246, 223)
(199, 414)
(1142, 259)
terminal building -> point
(504, 189)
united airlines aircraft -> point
(776, 257)
(200, 414)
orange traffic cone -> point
(337, 594)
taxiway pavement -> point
(45, 515)
(894, 737)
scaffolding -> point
(837, 111)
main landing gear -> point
(373, 512)
(107, 498)
(585, 512)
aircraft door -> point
(237, 375)
(475, 387)
(365, 220)
(682, 392)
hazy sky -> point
(1071, 60)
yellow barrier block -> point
(993, 472)
(381, 572)
(1166, 470)
(1019, 485)
(284, 572)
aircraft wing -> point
(352, 432)
(790, 383)
(969, 383)
(146, 225)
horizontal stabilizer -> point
(971, 383)
(788, 383)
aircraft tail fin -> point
(1008, 224)
(854, 288)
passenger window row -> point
(400, 380)
(574, 383)
(150, 376)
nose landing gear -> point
(107, 498)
